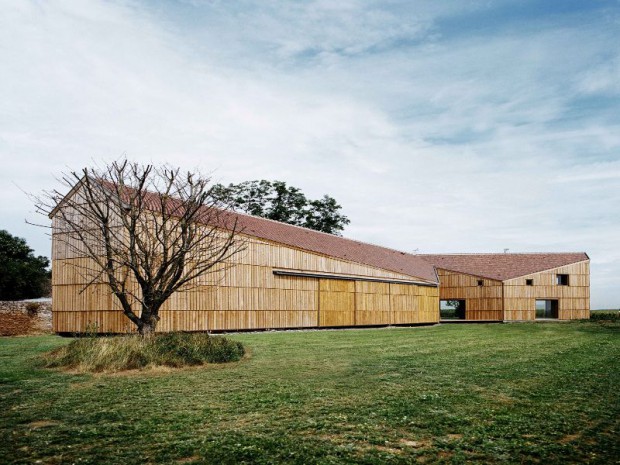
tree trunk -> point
(148, 323)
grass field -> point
(509, 393)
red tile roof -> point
(337, 247)
(299, 237)
(318, 242)
(502, 266)
(493, 266)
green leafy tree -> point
(22, 274)
(277, 201)
(459, 308)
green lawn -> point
(517, 393)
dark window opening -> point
(529, 282)
(562, 280)
(452, 309)
(480, 282)
(546, 309)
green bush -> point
(611, 315)
(119, 353)
(22, 274)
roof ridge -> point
(500, 253)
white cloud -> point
(602, 79)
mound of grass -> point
(110, 354)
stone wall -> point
(15, 319)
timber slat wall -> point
(513, 299)
(573, 300)
(483, 302)
(249, 295)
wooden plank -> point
(573, 300)
(336, 302)
(247, 296)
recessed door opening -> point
(546, 308)
(452, 309)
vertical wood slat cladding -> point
(249, 295)
(372, 303)
(573, 300)
(336, 302)
(482, 302)
(514, 300)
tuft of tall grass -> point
(130, 352)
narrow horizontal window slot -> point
(303, 274)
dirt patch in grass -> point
(42, 424)
(388, 449)
(420, 444)
(502, 398)
(569, 438)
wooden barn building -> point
(514, 287)
(293, 277)
(287, 277)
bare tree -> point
(147, 232)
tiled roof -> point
(337, 247)
(322, 243)
(302, 238)
(502, 266)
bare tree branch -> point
(147, 231)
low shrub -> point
(610, 315)
(119, 353)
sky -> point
(452, 126)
